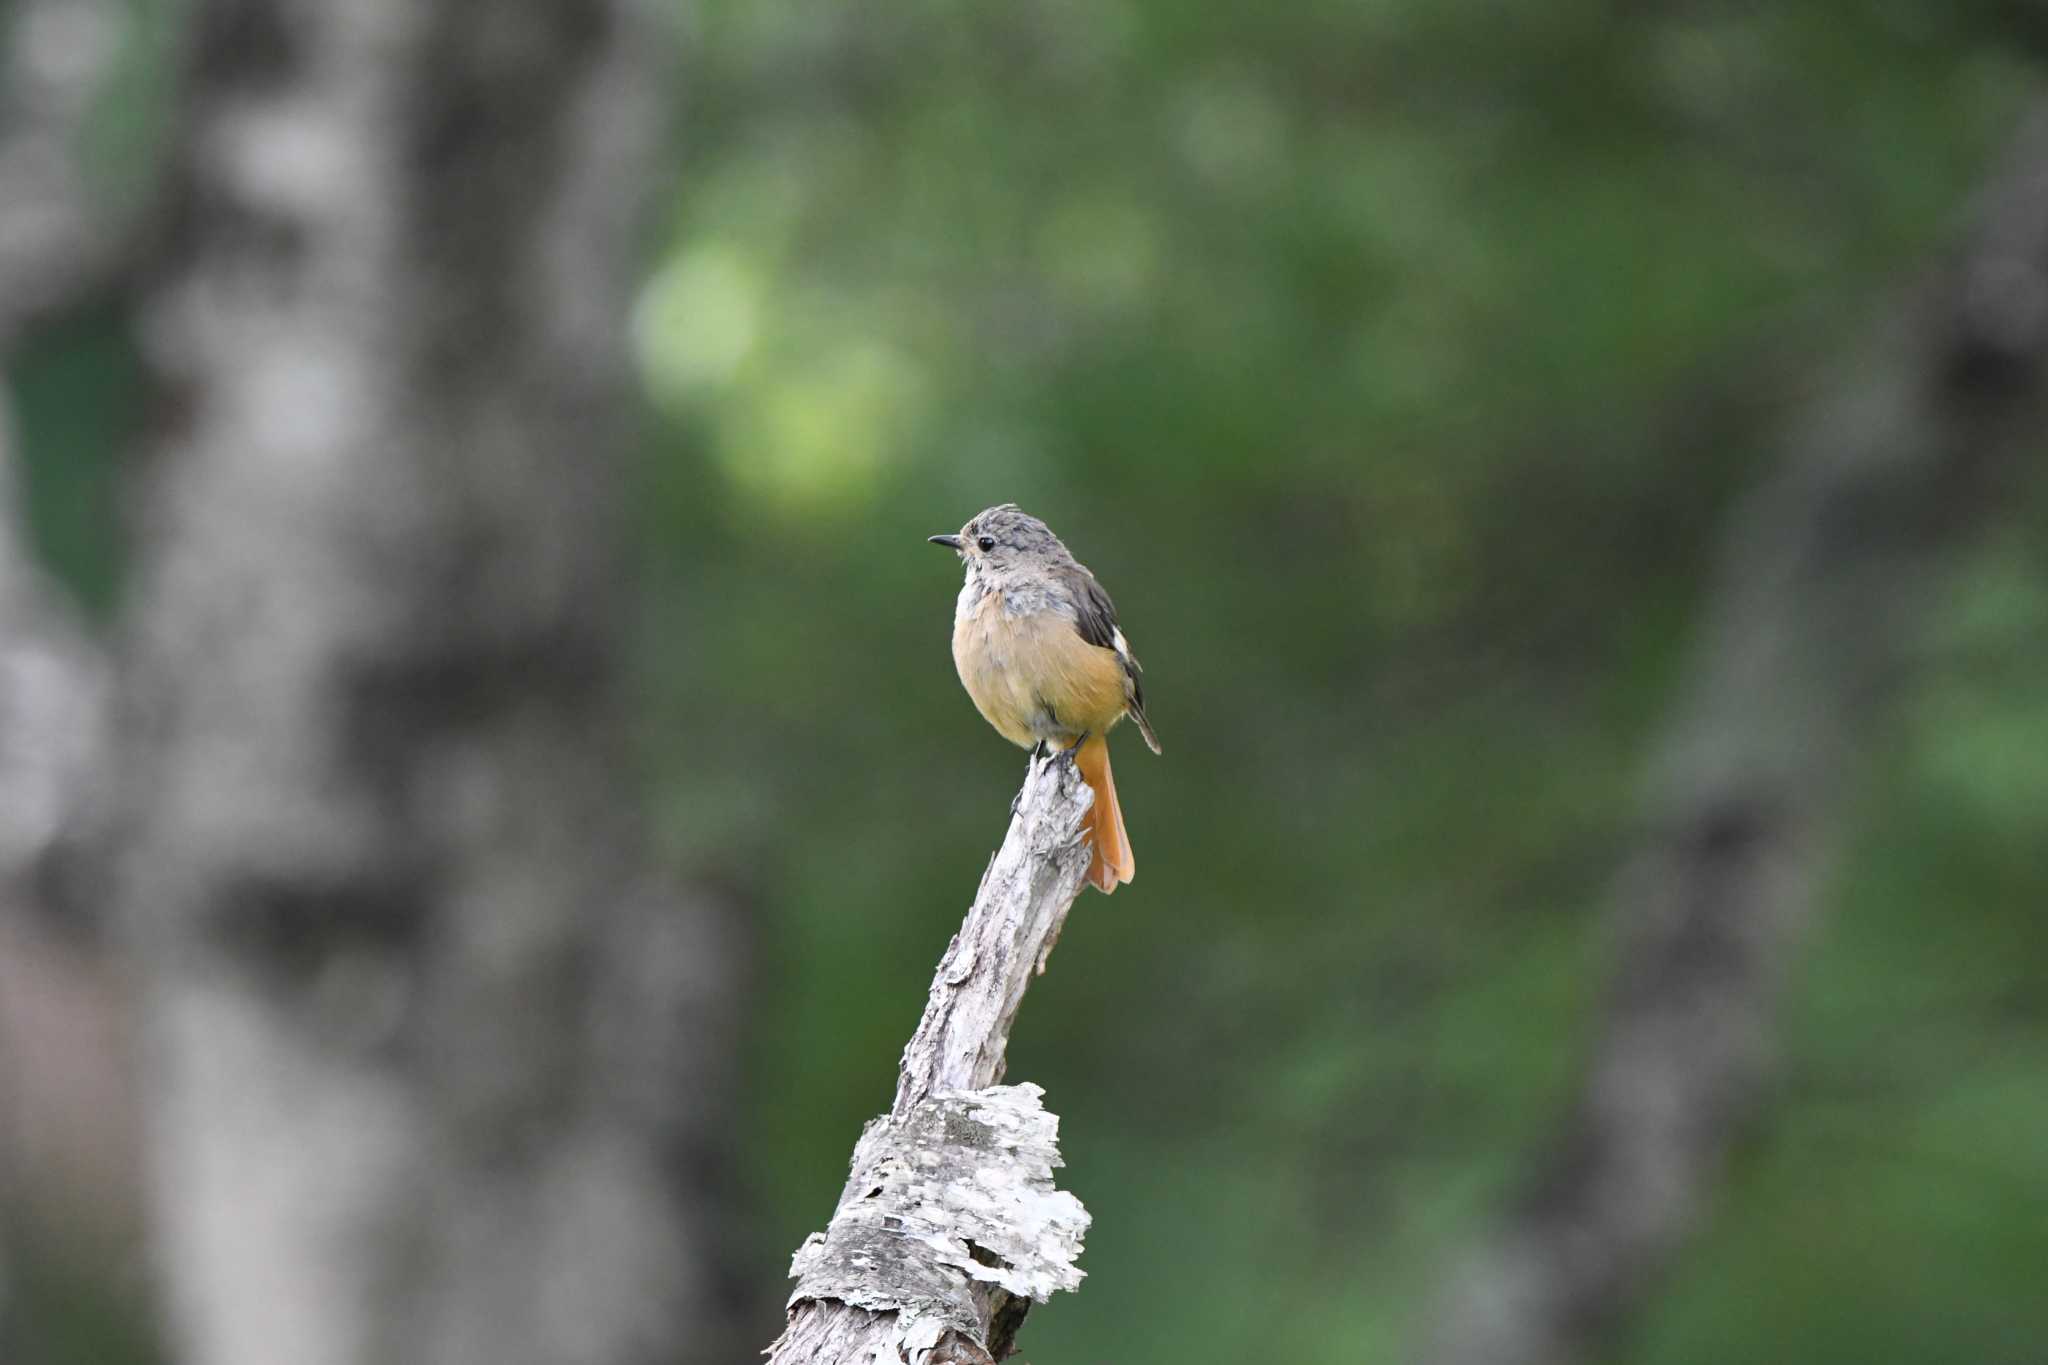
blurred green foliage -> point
(1394, 364)
(77, 400)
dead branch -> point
(950, 1227)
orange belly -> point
(1033, 677)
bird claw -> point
(1044, 752)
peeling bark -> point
(949, 1226)
(953, 1195)
(1825, 576)
(439, 1063)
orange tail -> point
(1112, 863)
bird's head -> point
(1003, 540)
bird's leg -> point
(1038, 751)
(1072, 753)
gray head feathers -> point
(1014, 531)
(1005, 540)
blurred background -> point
(474, 461)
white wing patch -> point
(1123, 646)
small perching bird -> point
(1038, 648)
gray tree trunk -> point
(437, 1064)
(1825, 579)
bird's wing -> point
(1095, 619)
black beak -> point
(950, 542)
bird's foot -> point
(1038, 751)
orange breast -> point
(1033, 677)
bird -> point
(1039, 650)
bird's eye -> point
(986, 543)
